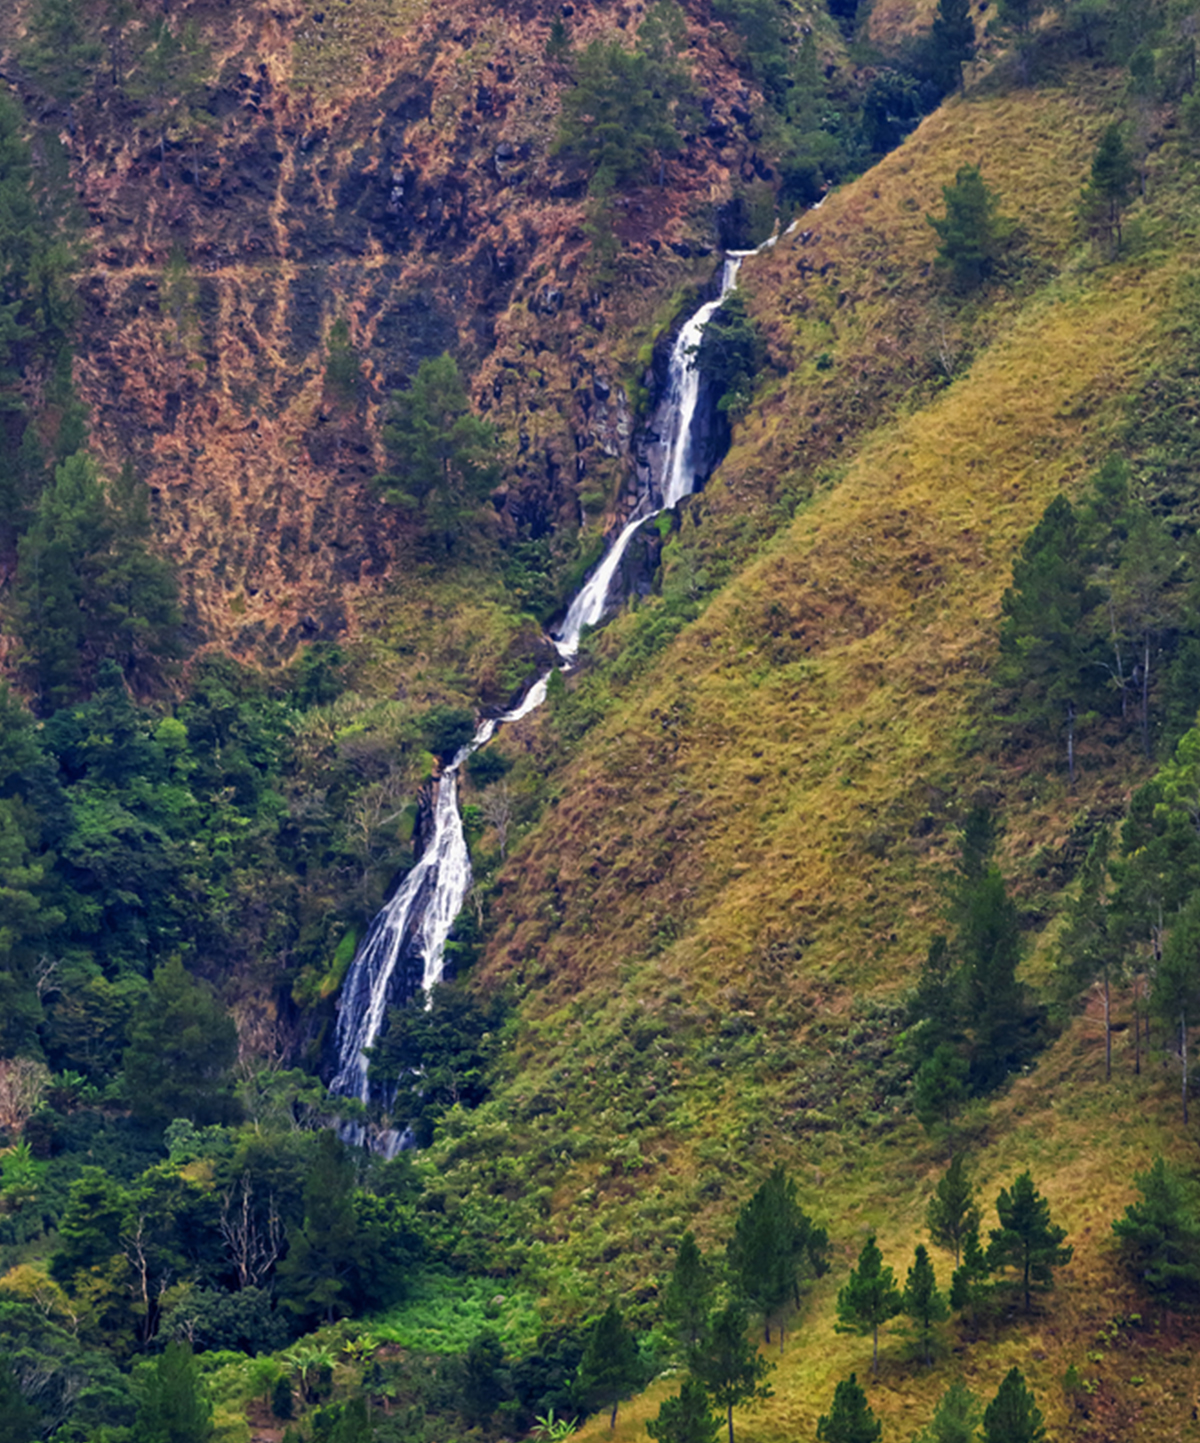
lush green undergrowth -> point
(445, 1312)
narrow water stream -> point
(410, 933)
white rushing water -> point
(679, 472)
(416, 921)
(415, 925)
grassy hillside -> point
(739, 874)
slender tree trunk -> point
(1137, 1027)
(1183, 1054)
(1071, 744)
(1116, 641)
(612, 1422)
(729, 1415)
(875, 1352)
(1107, 1030)
(1146, 698)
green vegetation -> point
(1160, 1237)
(182, 1046)
(442, 456)
(437, 1057)
(623, 111)
(730, 356)
(609, 1370)
(729, 1367)
(1026, 1239)
(951, 42)
(686, 1418)
(690, 993)
(971, 232)
(775, 1244)
(870, 1298)
(923, 1303)
(1012, 1416)
(957, 1417)
(850, 1420)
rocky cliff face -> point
(391, 165)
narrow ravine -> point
(411, 931)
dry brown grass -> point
(764, 789)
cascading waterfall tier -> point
(410, 933)
(679, 475)
(407, 939)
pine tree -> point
(1176, 993)
(89, 588)
(1048, 669)
(1107, 192)
(956, 1419)
(1088, 950)
(621, 113)
(971, 231)
(1149, 556)
(1160, 1234)
(952, 1213)
(318, 1276)
(688, 1300)
(1026, 1239)
(685, 1418)
(174, 1408)
(923, 1302)
(966, 1285)
(56, 568)
(442, 456)
(483, 1387)
(851, 1419)
(869, 1299)
(774, 1244)
(994, 1005)
(1012, 1416)
(940, 1087)
(609, 1370)
(137, 591)
(952, 42)
(729, 1365)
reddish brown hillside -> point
(391, 164)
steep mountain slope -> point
(390, 166)
(791, 751)
(732, 823)
(740, 873)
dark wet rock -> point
(548, 301)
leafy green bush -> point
(447, 729)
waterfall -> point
(412, 929)
(679, 473)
